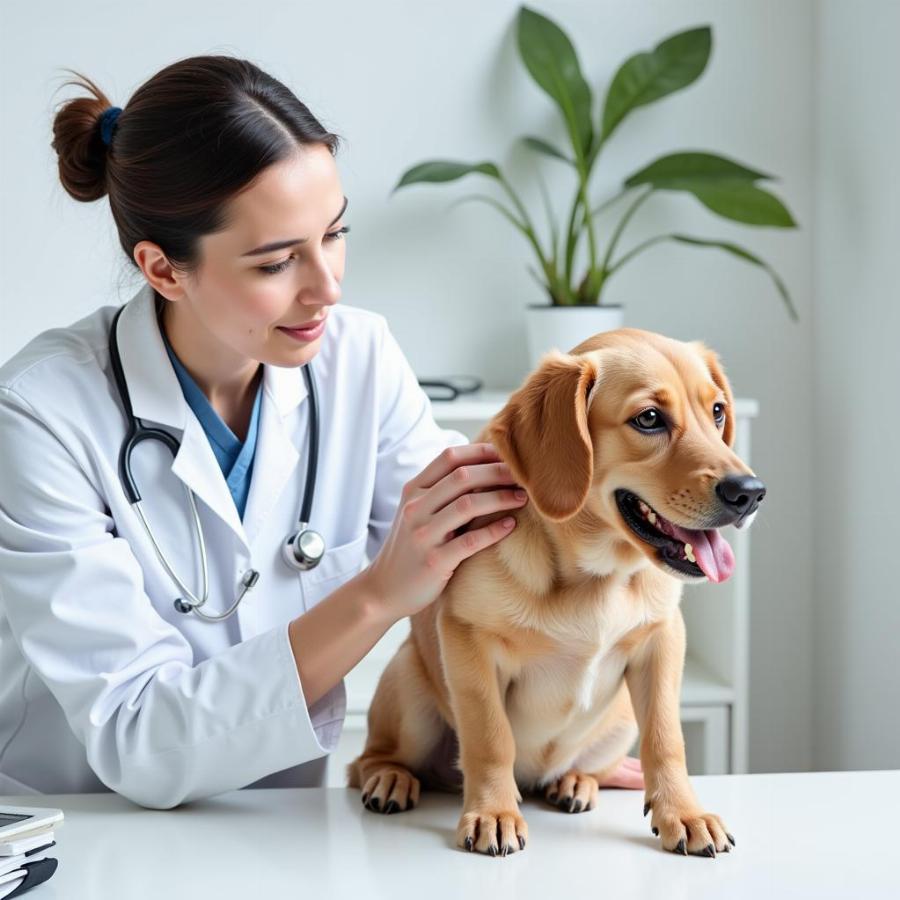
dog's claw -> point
(730, 838)
(709, 850)
(393, 806)
(655, 831)
(577, 806)
(492, 850)
(646, 808)
(521, 842)
(470, 843)
(681, 848)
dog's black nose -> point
(741, 493)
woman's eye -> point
(275, 268)
(719, 413)
(649, 420)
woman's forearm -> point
(332, 637)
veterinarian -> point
(191, 482)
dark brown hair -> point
(188, 140)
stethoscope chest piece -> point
(304, 549)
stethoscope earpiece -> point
(304, 549)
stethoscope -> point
(302, 550)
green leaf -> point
(672, 65)
(746, 255)
(542, 146)
(439, 170)
(492, 202)
(743, 202)
(688, 170)
(549, 56)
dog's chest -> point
(579, 676)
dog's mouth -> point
(695, 552)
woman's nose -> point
(323, 285)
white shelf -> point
(700, 687)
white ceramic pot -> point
(565, 327)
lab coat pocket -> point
(338, 564)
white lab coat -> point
(102, 683)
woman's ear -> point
(542, 434)
(711, 358)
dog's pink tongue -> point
(712, 552)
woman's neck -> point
(228, 382)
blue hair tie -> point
(108, 123)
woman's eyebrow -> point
(280, 245)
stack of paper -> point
(24, 862)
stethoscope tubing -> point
(138, 431)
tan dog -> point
(548, 652)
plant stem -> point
(529, 226)
(634, 252)
(571, 238)
(554, 231)
(621, 227)
(607, 203)
(587, 219)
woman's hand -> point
(421, 552)
(628, 775)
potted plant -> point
(726, 187)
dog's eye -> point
(719, 413)
(649, 420)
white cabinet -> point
(714, 689)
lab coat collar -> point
(155, 392)
(156, 396)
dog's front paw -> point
(689, 830)
(493, 831)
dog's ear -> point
(542, 434)
(718, 376)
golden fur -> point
(548, 652)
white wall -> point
(856, 484)
(405, 81)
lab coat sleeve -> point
(408, 439)
(156, 728)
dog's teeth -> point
(643, 507)
(652, 517)
(689, 552)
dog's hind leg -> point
(404, 729)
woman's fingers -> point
(467, 507)
(468, 478)
(422, 550)
(450, 459)
(464, 546)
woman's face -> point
(244, 295)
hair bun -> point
(79, 143)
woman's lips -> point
(305, 334)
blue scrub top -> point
(235, 459)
